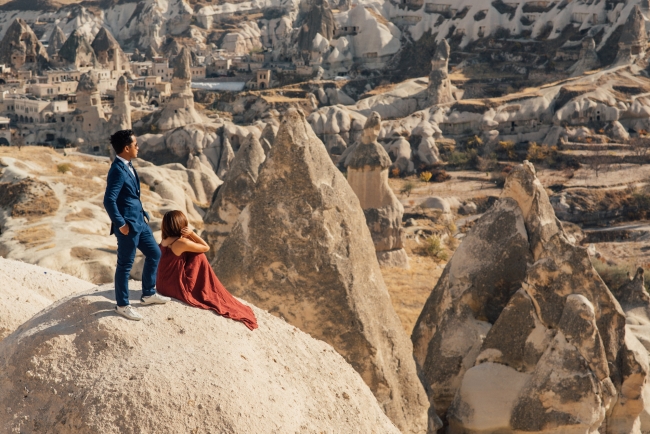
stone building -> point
(263, 78)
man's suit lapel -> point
(135, 180)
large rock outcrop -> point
(56, 41)
(20, 47)
(179, 109)
(439, 83)
(302, 250)
(77, 52)
(58, 372)
(368, 177)
(109, 53)
(27, 289)
(588, 58)
(121, 116)
(176, 146)
(521, 334)
(319, 20)
(235, 192)
(634, 39)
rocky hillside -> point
(379, 27)
(51, 211)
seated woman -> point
(184, 272)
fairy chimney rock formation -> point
(235, 193)
(63, 377)
(521, 334)
(77, 52)
(226, 158)
(89, 101)
(319, 20)
(56, 41)
(121, 117)
(20, 47)
(368, 177)
(588, 58)
(439, 83)
(301, 249)
(633, 40)
(179, 109)
(109, 53)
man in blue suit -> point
(123, 205)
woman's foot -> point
(155, 299)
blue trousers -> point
(126, 245)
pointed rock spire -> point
(56, 41)
(301, 249)
(235, 193)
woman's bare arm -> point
(189, 242)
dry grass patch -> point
(35, 236)
(84, 214)
(28, 198)
(84, 253)
(84, 231)
(409, 289)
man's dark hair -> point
(121, 140)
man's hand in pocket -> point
(125, 229)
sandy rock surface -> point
(79, 368)
(26, 289)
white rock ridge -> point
(180, 369)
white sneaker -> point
(128, 312)
(155, 299)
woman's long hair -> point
(172, 224)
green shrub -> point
(433, 248)
(407, 188)
(63, 168)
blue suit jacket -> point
(122, 199)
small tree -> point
(407, 189)
(640, 146)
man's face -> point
(131, 151)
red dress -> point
(190, 278)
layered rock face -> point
(59, 371)
(77, 51)
(235, 193)
(21, 47)
(439, 83)
(179, 110)
(109, 53)
(301, 249)
(521, 334)
(368, 177)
